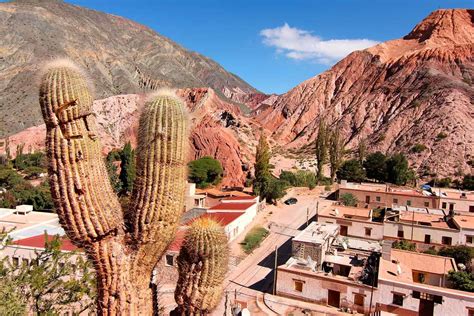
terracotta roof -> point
(223, 218)
(464, 221)
(39, 240)
(232, 206)
(469, 196)
(175, 245)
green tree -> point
(376, 166)
(262, 168)
(53, 283)
(114, 178)
(468, 182)
(322, 141)
(397, 169)
(461, 254)
(300, 178)
(127, 168)
(276, 190)
(336, 152)
(205, 171)
(404, 245)
(362, 150)
(351, 170)
(348, 199)
(462, 280)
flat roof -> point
(51, 229)
(468, 196)
(360, 244)
(239, 198)
(423, 262)
(20, 221)
(232, 206)
(384, 188)
(347, 212)
(317, 233)
(464, 221)
(432, 220)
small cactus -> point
(202, 265)
(123, 245)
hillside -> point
(414, 90)
(121, 57)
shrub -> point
(462, 280)
(461, 254)
(205, 171)
(300, 178)
(418, 148)
(254, 238)
(404, 245)
(23, 161)
(348, 199)
(468, 182)
(397, 169)
(441, 135)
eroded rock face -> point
(211, 134)
(395, 95)
(119, 55)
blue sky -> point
(298, 41)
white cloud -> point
(302, 45)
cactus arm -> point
(84, 199)
(158, 193)
(202, 265)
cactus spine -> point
(202, 265)
(124, 246)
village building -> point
(456, 200)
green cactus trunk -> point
(202, 265)
(123, 246)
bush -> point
(418, 148)
(462, 280)
(441, 136)
(300, 178)
(351, 170)
(442, 183)
(205, 171)
(254, 238)
(348, 199)
(34, 172)
(23, 161)
(404, 245)
(461, 254)
(276, 190)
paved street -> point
(255, 272)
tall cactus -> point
(202, 265)
(124, 246)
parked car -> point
(291, 201)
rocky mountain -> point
(121, 57)
(412, 95)
(218, 129)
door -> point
(367, 199)
(334, 298)
(343, 230)
(427, 239)
(426, 308)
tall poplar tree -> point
(321, 148)
(336, 152)
(262, 168)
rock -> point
(395, 95)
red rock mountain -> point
(217, 129)
(414, 90)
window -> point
(377, 198)
(368, 231)
(298, 285)
(427, 204)
(358, 299)
(470, 312)
(451, 206)
(446, 240)
(169, 260)
(469, 239)
(408, 203)
(443, 205)
(15, 261)
(400, 234)
(196, 202)
(418, 277)
(395, 201)
(471, 208)
(25, 261)
(427, 239)
(397, 299)
(367, 199)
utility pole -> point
(412, 223)
(317, 210)
(275, 271)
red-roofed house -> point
(39, 241)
